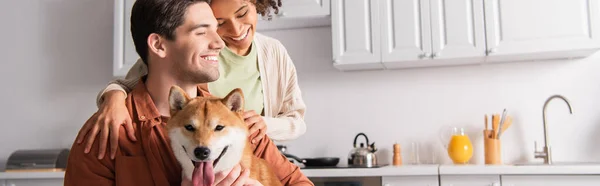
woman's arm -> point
(126, 84)
(112, 113)
(289, 123)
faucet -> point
(546, 153)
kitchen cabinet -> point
(304, 8)
(410, 181)
(35, 182)
(541, 29)
(356, 38)
(550, 180)
(292, 14)
(470, 180)
(388, 34)
(422, 33)
(124, 54)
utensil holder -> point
(492, 149)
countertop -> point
(404, 170)
(32, 175)
(580, 169)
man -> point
(177, 39)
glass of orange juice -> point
(460, 148)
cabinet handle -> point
(491, 50)
(434, 55)
(424, 55)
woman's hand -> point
(112, 114)
(236, 176)
(256, 123)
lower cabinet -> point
(410, 181)
(33, 182)
(470, 180)
(550, 180)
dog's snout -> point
(202, 153)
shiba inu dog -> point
(209, 135)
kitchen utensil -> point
(459, 146)
(320, 161)
(486, 122)
(505, 126)
(492, 149)
(502, 120)
(363, 156)
(495, 123)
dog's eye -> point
(189, 128)
(219, 127)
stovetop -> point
(341, 167)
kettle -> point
(363, 156)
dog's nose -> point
(202, 153)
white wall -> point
(57, 55)
(414, 105)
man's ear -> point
(156, 45)
(234, 100)
(177, 99)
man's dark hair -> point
(156, 16)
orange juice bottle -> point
(460, 148)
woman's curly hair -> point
(263, 7)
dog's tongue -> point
(203, 174)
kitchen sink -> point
(564, 163)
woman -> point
(258, 64)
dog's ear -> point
(177, 99)
(235, 100)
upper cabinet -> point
(356, 34)
(541, 29)
(298, 14)
(292, 14)
(390, 34)
(304, 8)
(124, 54)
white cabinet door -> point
(410, 181)
(550, 180)
(406, 32)
(35, 182)
(420, 33)
(356, 36)
(470, 180)
(458, 31)
(541, 29)
(304, 8)
(124, 54)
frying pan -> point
(316, 162)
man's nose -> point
(202, 153)
(217, 43)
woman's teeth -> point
(242, 37)
(210, 58)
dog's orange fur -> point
(202, 109)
